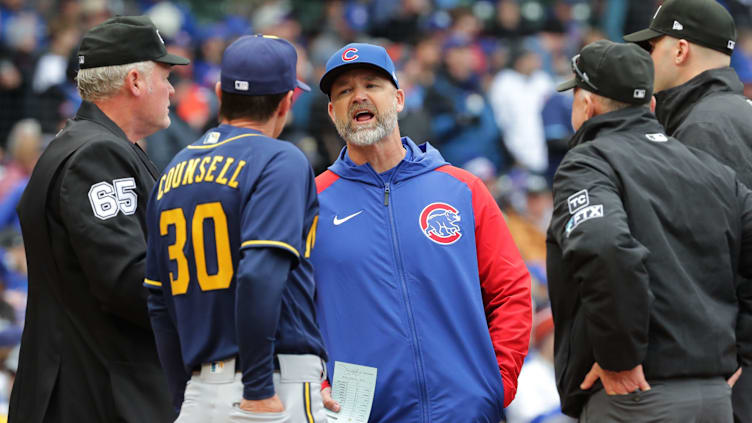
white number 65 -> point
(109, 199)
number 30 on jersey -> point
(176, 218)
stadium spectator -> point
(537, 400)
(517, 95)
(462, 123)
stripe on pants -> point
(307, 401)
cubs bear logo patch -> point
(439, 222)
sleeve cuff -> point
(269, 243)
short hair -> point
(104, 81)
(611, 105)
(258, 108)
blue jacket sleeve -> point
(261, 278)
(271, 242)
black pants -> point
(669, 401)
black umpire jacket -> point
(643, 252)
(88, 352)
(711, 113)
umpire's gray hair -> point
(102, 82)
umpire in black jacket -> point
(644, 248)
(700, 101)
(88, 352)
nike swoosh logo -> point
(338, 222)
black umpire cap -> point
(703, 22)
(619, 71)
(122, 40)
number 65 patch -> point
(108, 199)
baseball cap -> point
(122, 40)
(619, 71)
(703, 22)
(366, 55)
(260, 65)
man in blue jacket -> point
(416, 272)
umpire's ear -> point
(652, 104)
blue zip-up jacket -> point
(418, 276)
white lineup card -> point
(353, 388)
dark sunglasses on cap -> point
(582, 75)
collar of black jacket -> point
(635, 119)
(90, 111)
(673, 105)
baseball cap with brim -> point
(703, 22)
(122, 40)
(260, 65)
(357, 55)
(619, 71)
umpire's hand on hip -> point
(616, 383)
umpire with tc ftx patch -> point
(643, 252)
(88, 352)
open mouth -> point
(363, 116)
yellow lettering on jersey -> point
(210, 174)
(161, 183)
(221, 178)
(234, 180)
(178, 175)
(202, 168)
(168, 181)
(189, 171)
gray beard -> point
(384, 125)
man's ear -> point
(330, 109)
(653, 102)
(218, 90)
(400, 100)
(681, 52)
(590, 104)
(135, 82)
(286, 104)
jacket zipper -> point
(411, 318)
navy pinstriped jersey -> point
(232, 190)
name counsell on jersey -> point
(202, 170)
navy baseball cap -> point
(260, 65)
(364, 55)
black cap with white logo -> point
(619, 71)
(122, 40)
(703, 22)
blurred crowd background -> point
(479, 78)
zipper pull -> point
(386, 194)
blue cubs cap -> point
(260, 65)
(363, 55)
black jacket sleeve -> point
(744, 288)
(98, 199)
(606, 263)
(168, 347)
